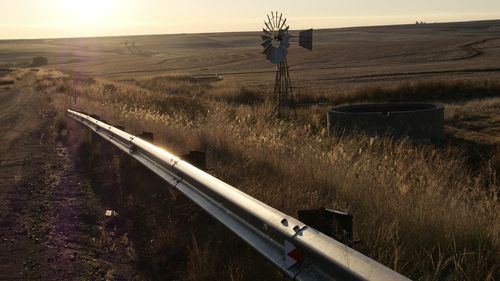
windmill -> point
(275, 41)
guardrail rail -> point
(299, 251)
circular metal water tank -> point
(420, 121)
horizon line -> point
(238, 31)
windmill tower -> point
(275, 41)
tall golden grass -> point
(419, 209)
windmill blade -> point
(265, 37)
(267, 49)
(283, 33)
(268, 53)
(285, 53)
(269, 29)
(278, 55)
(273, 56)
(266, 32)
(279, 21)
(270, 22)
(284, 38)
(306, 39)
(283, 24)
(266, 43)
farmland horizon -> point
(215, 31)
(31, 19)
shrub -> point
(39, 61)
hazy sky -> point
(74, 18)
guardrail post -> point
(96, 117)
(147, 136)
(334, 223)
(90, 132)
(197, 159)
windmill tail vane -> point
(276, 41)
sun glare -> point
(88, 13)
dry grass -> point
(419, 209)
(416, 90)
(476, 120)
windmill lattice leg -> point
(283, 94)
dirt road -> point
(52, 226)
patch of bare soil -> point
(52, 226)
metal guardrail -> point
(271, 232)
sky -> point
(23, 19)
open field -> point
(341, 57)
(429, 211)
(344, 61)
